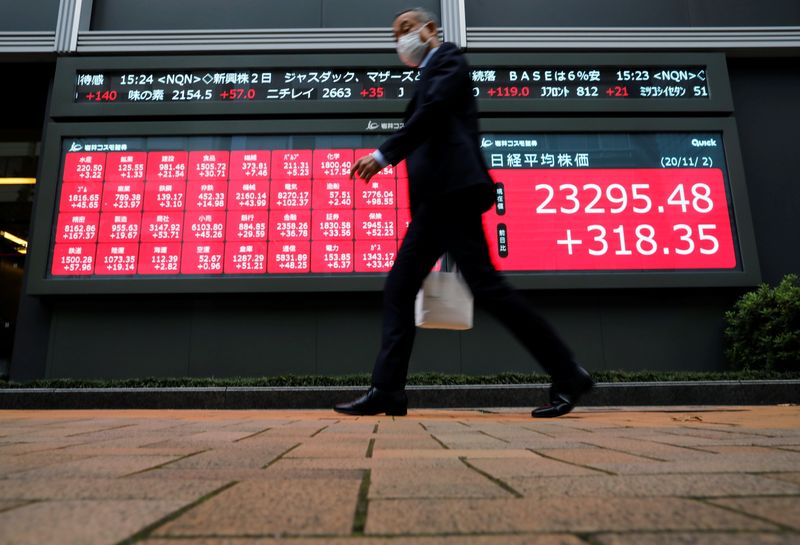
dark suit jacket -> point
(440, 139)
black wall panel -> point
(766, 95)
(744, 12)
(334, 334)
(571, 13)
(623, 13)
(28, 15)
(247, 14)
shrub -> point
(763, 329)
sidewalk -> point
(600, 476)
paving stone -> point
(785, 511)
(453, 453)
(788, 477)
(10, 464)
(272, 508)
(81, 522)
(87, 488)
(406, 442)
(557, 515)
(433, 483)
(595, 457)
(537, 466)
(499, 539)
(242, 457)
(6, 505)
(330, 451)
(470, 440)
(647, 448)
(705, 538)
(96, 466)
(710, 485)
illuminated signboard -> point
(358, 84)
(277, 206)
(377, 83)
(630, 201)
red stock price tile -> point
(203, 258)
(247, 225)
(291, 164)
(117, 258)
(84, 167)
(245, 257)
(167, 166)
(288, 257)
(159, 257)
(205, 226)
(376, 224)
(374, 255)
(332, 163)
(164, 195)
(122, 196)
(331, 256)
(125, 166)
(120, 226)
(248, 195)
(250, 165)
(81, 196)
(208, 166)
(285, 225)
(376, 193)
(290, 194)
(73, 259)
(162, 226)
(76, 228)
(209, 195)
(332, 225)
(330, 194)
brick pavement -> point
(655, 476)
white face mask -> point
(411, 49)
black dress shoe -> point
(375, 402)
(564, 395)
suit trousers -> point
(454, 225)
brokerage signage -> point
(274, 206)
(574, 202)
(522, 83)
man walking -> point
(449, 189)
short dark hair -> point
(422, 15)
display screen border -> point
(63, 105)
(39, 283)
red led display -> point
(164, 195)
(289, 212)
(203, 258)
(75, 228)
(122, 196)
(125, 167)
(117, 258)
(617, 219)
(120, 226)
(167, 165)
(159, 258)
(245, 257)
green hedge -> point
(414, 379)
(762, 331)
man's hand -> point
(366, 167)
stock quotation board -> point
(250, 205)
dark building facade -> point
(642, 316)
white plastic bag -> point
(444, 302)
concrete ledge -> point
(767, 392)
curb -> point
(756, 392)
